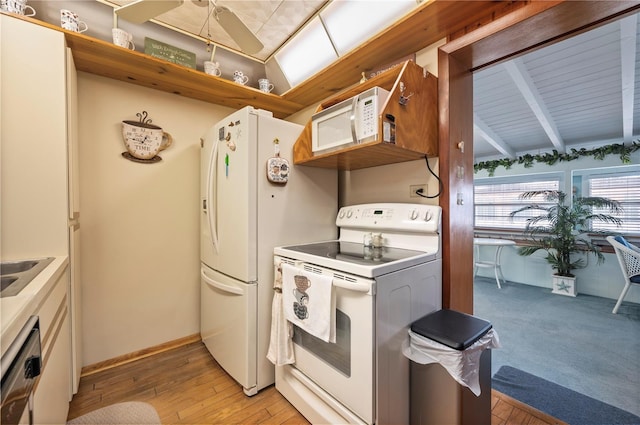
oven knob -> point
(428, 215)
(413, 215)
(349, 214)
(341, 214)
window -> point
(621, 184)
(496, 198)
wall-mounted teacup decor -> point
(70, 21)
(240, 78)
(144, 140)
(19, 7)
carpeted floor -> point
(560, 402)
(575, 342)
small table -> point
(495, 264)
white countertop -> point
(15, 310)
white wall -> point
(139, 222)
(140, 236)
(603, 280)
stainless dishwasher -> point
(20, 366)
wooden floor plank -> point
(187, 386)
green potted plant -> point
(560, 230)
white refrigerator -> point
(244, 215)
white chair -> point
(629, 259)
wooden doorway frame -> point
(531, 27)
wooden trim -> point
(455, 86)
(526, 408)
(137, 355)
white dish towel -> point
(280, 345)
(309, 302)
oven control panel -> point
(391, 216)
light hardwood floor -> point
(187, 386)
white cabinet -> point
(33, 128)
(51, 396)
(39, 212)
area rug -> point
(127, 413)
(558, 401)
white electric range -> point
(387, 273)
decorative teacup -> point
(70, 21)
(240, 78)
(212, 68)
(17, 6)
(123, 39)
(265, 85)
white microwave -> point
(352, 121)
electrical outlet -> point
(415, 187)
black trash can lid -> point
(451, 328)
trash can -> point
(450, 356)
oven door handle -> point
(351, 286)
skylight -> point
(349, 23)
(309, 51)
(342, 26)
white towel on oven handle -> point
(309, 302)
(280, 344)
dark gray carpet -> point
(560, 402)
(574, 342)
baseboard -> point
(137, 355)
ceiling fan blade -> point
(142, 10)
(237, 30)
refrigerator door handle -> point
(219, 285)
(212, 207)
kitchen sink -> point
(16, 275)
(17, 266)
(7, 281)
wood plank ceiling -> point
(580, 92)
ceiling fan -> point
(141, 11)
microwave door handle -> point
(354, 105)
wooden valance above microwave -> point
(413, 104)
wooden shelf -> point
(430, 22)
(108, 60)
(105, 59)
(416, 123)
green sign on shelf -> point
(161, 50)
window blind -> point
(495, 200)
(624, 188)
